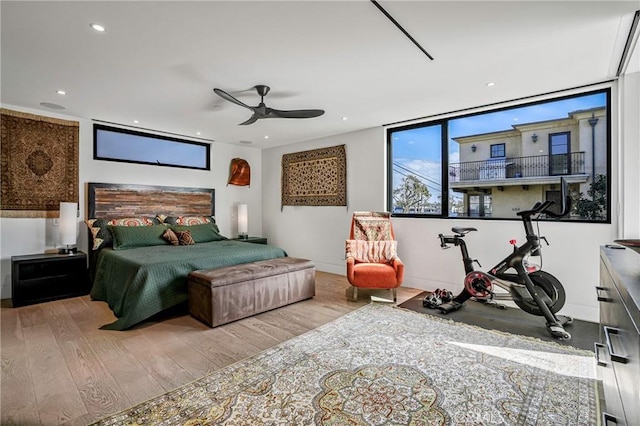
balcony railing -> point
(518, 167)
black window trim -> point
(443, 118)
(97, 127)
(504, 150)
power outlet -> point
(56, 221)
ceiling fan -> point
(263, 111)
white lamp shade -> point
(243, 219)
(68, 224)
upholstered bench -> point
(218, 296)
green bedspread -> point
(140, 282)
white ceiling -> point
(158, 62)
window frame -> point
(444, 119)
(101, 127)
(496, 145)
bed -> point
(135, 268)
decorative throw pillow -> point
(383, 251)
(171, 237)
(184, 237)
(100, 234)
(126, 237)
(201, 233)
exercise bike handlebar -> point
(543, 207)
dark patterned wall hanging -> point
(315, 178)
(39, 164)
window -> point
(417, 170)
(497, 150)
(116, 144)
(494, 163)
(559, 149)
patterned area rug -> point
(381, 365)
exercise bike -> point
(531, 289)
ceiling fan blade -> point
(297, 113)
(230, 98)
(251, 120)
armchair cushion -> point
(383, 251)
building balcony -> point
(508, 171)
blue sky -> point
(419, 149)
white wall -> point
(27, 236)
(318, 233)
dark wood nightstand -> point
(254, 240)
(39, 278)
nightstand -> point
(39, 278)
(254, 240)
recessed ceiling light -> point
(61, 92)
(344, 118)
(136, 121)
(266, 137)
(51, 105)
(198, 133)
(97, 27)
(491, 84)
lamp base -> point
(68, 250)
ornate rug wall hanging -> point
(315, 178)
(39, 164)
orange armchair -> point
(371, 254)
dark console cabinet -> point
(39, 278)
(618, 352)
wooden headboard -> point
(110, 200)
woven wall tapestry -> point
(39, 164)
(315, 178)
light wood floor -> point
(58, 367)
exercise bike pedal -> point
(558, 332)
(564, 319)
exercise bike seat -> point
(461, 230)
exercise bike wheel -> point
(552, 288)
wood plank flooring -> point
(59, 368)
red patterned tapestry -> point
(315, 178)
(39, 164)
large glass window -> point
(416, 170)
(494, 163)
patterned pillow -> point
(126, 237)
(100, 234)
(372, 226)
(185, 220)
(171, 237)
(383, 251)
(185, 239)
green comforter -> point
(140, 282)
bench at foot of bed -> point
(218, 296)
